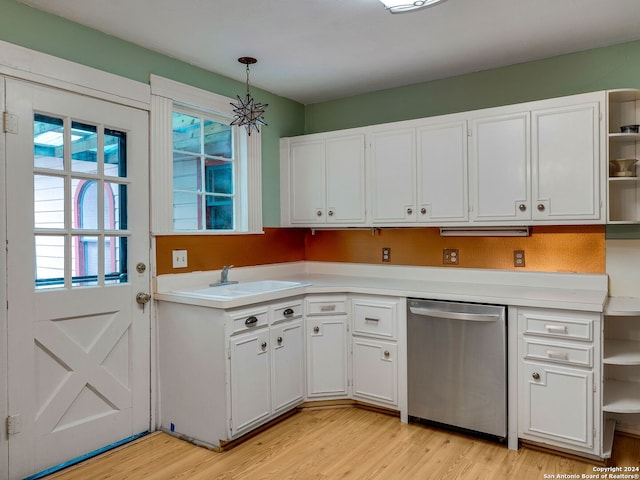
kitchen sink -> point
(238, 290)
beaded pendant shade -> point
(246, 111)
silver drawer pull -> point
(327, 308)
(251, 321)
(556, 328)
(288, 313)
(371, 319)
(557, 355)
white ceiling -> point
(316, 50)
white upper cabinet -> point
(567, 163)
(323, 180)
(393, 176)
(535, 163)
(500, 186)
(442, 173)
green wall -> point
(607, 68)
(27, 27)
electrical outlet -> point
(518, 258)
(179, 259)
(450, 256)
(386, 254)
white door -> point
(345, 180)
(566, 163)
(442, 173)
(287, 365)
(77, 226)
(250, 381)
(308, 183)
(393, 159)
(499, 164)
(326, 357)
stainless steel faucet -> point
(224, 274)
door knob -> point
(142, 298)
(522, 207)
(536, 376)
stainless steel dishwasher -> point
(457, 366)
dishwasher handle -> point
(472, 317)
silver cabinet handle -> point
(556, 328)
(386, 354)
(288, 313)
(541, 207)
(522, 207)
(423, 211)
(264, 345)
(474, 317)
(279, 340)
(327, 308)
(535, 375)
(557, 355)
(316, 329)
(319, 213)
(371, 319)
(331, 213)
(409, 211)
(251, 321)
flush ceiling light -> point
(247, 112)
(403, 6)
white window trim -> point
(164, 94)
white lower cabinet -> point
(375, 371)
(287, 365)
(326, 326)
(558, 404)
(559, 395)
(374, 350)
(249, 375)
(266, 358)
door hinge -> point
(9, 123)
(595, 433)
(14, 424)
(469, 132)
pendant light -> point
(247, 112)
(403, 6)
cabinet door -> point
(442, 173)
(287, 365)
(307, 182)
(566, 163)
(375, 370)
(499, 168)
(345, 180)
(393, 159)
(327, 356)
(557, 405)
(250, 383)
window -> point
(206, 174)
(204, 168)
(80, 239)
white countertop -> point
(532, 289)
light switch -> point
(179, 259)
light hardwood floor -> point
(338, 443)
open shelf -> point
(621, 352)
(621, 397)
(622, 307)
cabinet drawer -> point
(374, 319)
(580, 355)
(248, 320)
(287, 311)
(558, 327)
(327, 306)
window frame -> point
(166, 95)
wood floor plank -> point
(338, 443)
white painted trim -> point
(4, 451)
(164, 94)
(37, 67)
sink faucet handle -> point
(225, 273)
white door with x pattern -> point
(77, 227)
